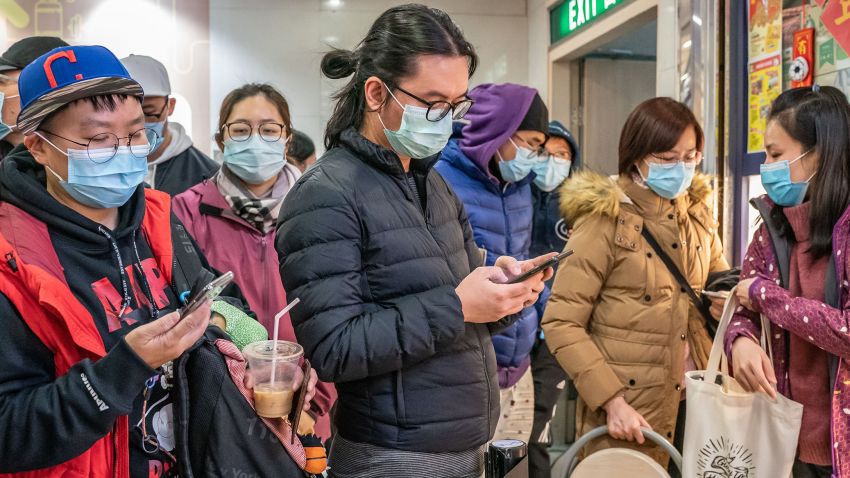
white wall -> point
(282, 42)
(538, 46)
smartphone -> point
(205, 293)
(298, 403)
(550, 263)
(716, 295)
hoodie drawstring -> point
(125, 301)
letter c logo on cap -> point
(48, 69)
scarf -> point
(260, 212)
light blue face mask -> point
(670, 180)
(255, 161)
(549, 174)
(776, 179)
(417, 137)
(105, 184)
(159, 127)
(518, 168)
(4, 128)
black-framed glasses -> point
(104, 146)
(157, 116)
(438, 110)
(242, 130)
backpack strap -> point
(710, 324)
(187, 262)
(781, 245)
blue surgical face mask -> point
(518, 168)
(159, 127)
(776, 179)
(105, 184)
(670, 180)
(551, 172)
(255, 161)
(417, 137)
(4, 128)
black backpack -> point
(217, 431)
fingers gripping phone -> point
(542, 267)
(200, 294)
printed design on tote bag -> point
(724, 459)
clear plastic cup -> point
(273, 398)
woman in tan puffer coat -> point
(617, 320)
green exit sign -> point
(572, 15)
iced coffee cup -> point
(276, 373)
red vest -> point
(36, 287)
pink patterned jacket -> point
(824, 326)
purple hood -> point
(497, 113)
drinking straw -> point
(276, 330)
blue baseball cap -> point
(558, 130)
(67, 74)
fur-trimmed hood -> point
(588, 193)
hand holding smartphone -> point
(542, 267)
(209, 292)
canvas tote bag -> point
(731, 433)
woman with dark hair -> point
(626, 331)
(395, 308)
(232, 216)
(795, 273)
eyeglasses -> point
(688, 158)
(157, 116)
(561, 158)
(438, 110)
(242, 130)
(103, 146)
(540, 150)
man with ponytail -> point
(396, 309)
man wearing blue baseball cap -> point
(549, 233)
(91, 267)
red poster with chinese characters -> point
(836, 19)
(802, 58)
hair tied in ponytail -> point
(389, 51)
(338, 64)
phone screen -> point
(208, 292)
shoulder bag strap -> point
(680, 278)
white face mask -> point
(517, 169)
(417, 137)
(551, 172)
(255, 160)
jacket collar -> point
(651, 205)
(381, 158)
(209, 195)
(455, 156)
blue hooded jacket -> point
(501, 214)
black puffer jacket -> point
(379, 316)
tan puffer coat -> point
(617, 320)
